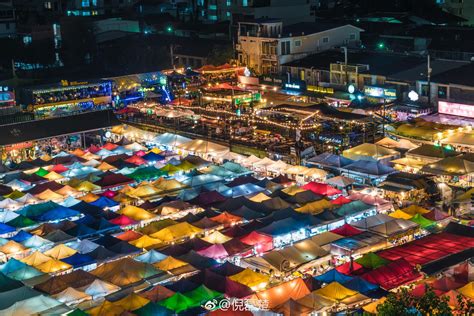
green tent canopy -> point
(14, 195)
(8, 284)
(202, 294)
(372, 261)
(41, 172)
(146, 173)
(353, 208)
(21, 221)
(36, 210)
(422, 221)
(77, 312)
(153, 309)
(235, 168)
(178, 302)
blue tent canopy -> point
(11, 265)
(60, 212)
(246, 189)
(79, 260)
(86, 208)
(333, 276)
(188, 194)
(151, 156)
(104, 202)
(151, 257)
(247, 213)
(21, 236)
(5, 229)
(86, 220)
(36, 210)
(360, 285)
(202, 180)
(282, 227)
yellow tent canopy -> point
(143, 191)
(400, 215)
(52, 266)
(87, 186)
(60, 251)
(78, 152)
(67, 191)
(292, 190)
(251, 278)
(467, 290)
(46, 157)
(89, 197)
(154, 227)
(127, 188)
(122, 198)
(53, 175)
(49, 195)
(216, 238)
(90, 156)
(316, 207)
(170, 263)
(132, 302)
(145, 241)
(106, 308)
(155, 150)
(136, 213)
(168, 185)
(177, 231)
(372, 307)
(260, 197)
(415, 209)
(336, 291)
(105, 166)
(12, 247)
(35, 259)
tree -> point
(220, 54)
(404, 304)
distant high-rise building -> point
(462, 8)
(7, 19)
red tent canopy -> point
(226, 218)
(261, 242)
(216, 251)
(59, 168)
(346, 230)
(140, 153)
(93, 149)
(109, 194)
(392, 275)
(136, 160)
(341, 200)
(123, 220)
(321, 188)
(348, 269)
(129, 235)
(109, 146)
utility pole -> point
(429, 78)
(172, 55)
(344, 48)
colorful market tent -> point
(124, 272)
(99, 288)
(172, 140)
(72, 296)
(60, 251)
(277, 295)
(136, 213)
(372, 261)
(200, 146)
(316, 207)
(333, 276)
(176, 231)
(422, 221)
(170, 263)
(202, 294)
(251, 279)
(321, 188)
(157, 293)
(131, 302)
(53, 266)
(400, 215)
(392, 275)
(216, 237)
(151, 257)
(178, 303)
(31, 306)
(336, 291)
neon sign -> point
(292, 86)
(457, 109)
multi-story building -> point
(7, 19)
(462, 8)
(265, 44)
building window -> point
(367, 81)
(94, 3)
(325, 40)
(297, 43)
(85, 3)
(228, 14)
(48, 5)
(213, 17)
(245, 3)
(285, 48)
(229, 3)
(352, 36)
(27, 39)
(424, 90)
(442, 92)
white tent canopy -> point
(100, 288)
(31, 306)
(169, 139)
(200, 146)
(72, 296)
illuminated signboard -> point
(319, 89)
(379, 92)
(457, 109)
(292, 86)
